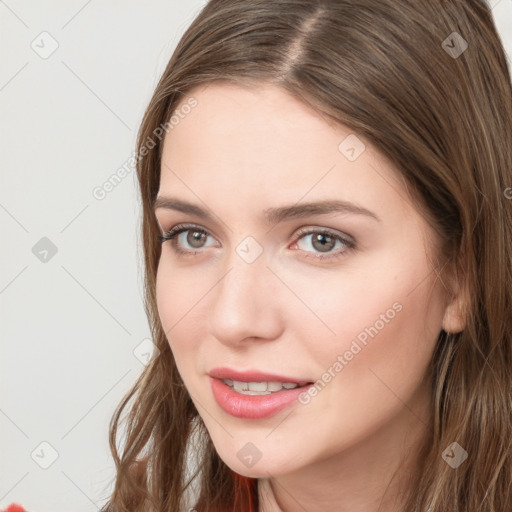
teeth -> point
(241, 386)
(258, 388)
(274, 386)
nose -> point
(246, 304)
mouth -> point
(256, 378)
(253, 394)
(261, 388)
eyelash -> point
(181, 228)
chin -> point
(262, 468)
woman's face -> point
(270, 288)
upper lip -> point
(253, 376)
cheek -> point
(178, 297)
(392, 366)
(377, 324)
(375, 365)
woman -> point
(326, 226)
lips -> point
(253, 406)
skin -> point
(238, 152)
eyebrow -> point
(273, 215)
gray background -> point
(73, 330)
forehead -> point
(234, 119)
(253, 129)
(260, 145)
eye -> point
(195, 238)
(324, 240)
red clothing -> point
(14, 507)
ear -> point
(457, 304)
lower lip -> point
(253, 407)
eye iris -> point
(319, 237)
(194, 237)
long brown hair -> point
(399, 73)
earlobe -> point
(455, 314)
(453, 321)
